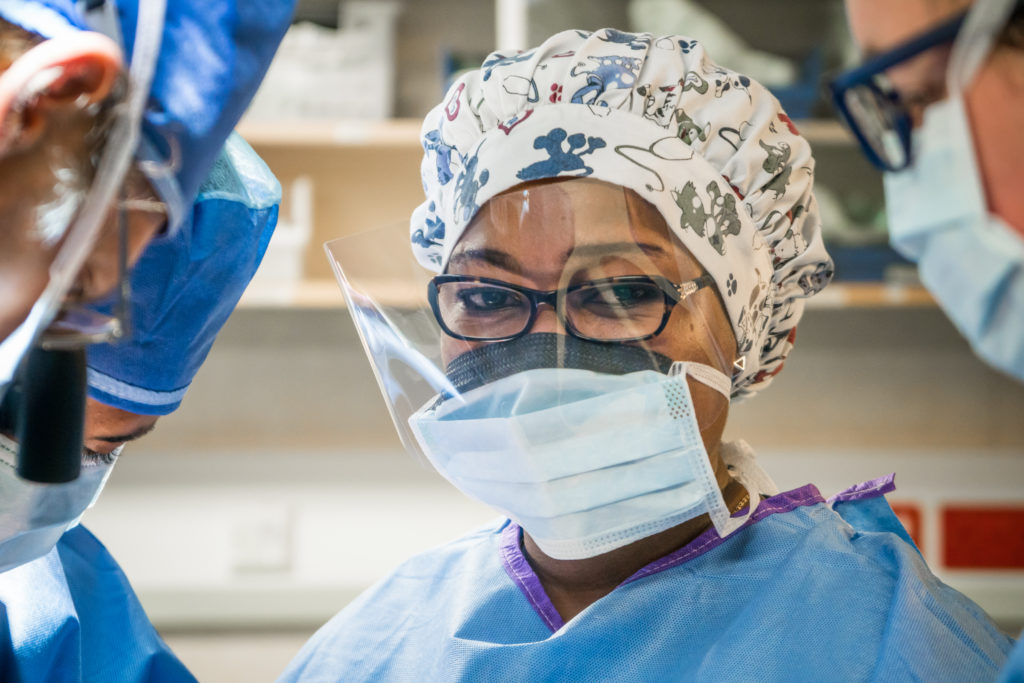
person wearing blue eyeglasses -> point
(936, 106)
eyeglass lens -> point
(875, 115)
(604, 310)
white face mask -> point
(968, 258)
(34, 516)
(585, 462)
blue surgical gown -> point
(799, 594)
(1013, 672)
(71, 615)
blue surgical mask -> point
(34, 516)
(586, 462)
(968, 258)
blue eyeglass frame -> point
(866, 74)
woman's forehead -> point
(552, 219)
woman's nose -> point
(546, 321)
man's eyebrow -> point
(494, 257)
(131, 436)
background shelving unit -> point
(365, 174)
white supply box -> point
(322, 73)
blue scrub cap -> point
(186, 285)
(213, 56)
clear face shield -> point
(68, 210)
(570, 335)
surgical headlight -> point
(44, 411)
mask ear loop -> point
(725, 523)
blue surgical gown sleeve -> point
(799, 594)
(1013, 672)
(71, 615)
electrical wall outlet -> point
(262, 540)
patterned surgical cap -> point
(711, 149)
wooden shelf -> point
(340, 133)
(825, 132)
(871, 295)
(404, 133)
(325, 294)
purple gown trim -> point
(869, 489)
(519, 570)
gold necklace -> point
(741, 503)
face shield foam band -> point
(547, 350)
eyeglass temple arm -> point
(691, 287)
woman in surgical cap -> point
(618, 239)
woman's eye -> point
(489, 299)
(631, 294)
(620, 296)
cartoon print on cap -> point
(815, 280)
(605, 73)
(524, 87)
(777, 164)
(633, 40)
(663, 111)
(499, 60)
(434, 233)
(561, 160)
(721, 220)
(468, 185)
(687, 129)
(442, 155)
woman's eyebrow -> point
(494, 257)
(613, 248)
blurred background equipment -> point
(334, 72)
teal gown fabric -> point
(72, 616)
(809, 590)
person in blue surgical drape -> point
(62, 605)
(114, 148)
(616, 244)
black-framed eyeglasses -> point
(874, 110)
(615, 309)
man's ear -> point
(70, 71)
